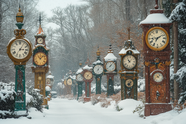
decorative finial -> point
(98, 52)
(110, 49)
(128, 33)
(80, 64)
(156, 6)
(19, 18)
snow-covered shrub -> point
(140, 108)
(7, 100)
(36, 100)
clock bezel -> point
(125, 66)
(38, 53)
(77, 78)
(88, 72)
(23, 60)
(152, 75)
(102, 70)
(153, 48)
(131, 85)
(68, 81)
(107, 63)
(38, 40)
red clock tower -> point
(156, 50)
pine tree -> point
(178, 15)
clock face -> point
(158, 77)
(98, 69)
(47, 81)
(129, 61)
(88, 75)
(129, 83)
(40, 40)
(69, 81)
(157, 38)
(40, 58)
(19, 49)
(110, 66)
(79, 77)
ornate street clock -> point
(79, 80)
(98, 72)
(68, 85)
(19, 50)
(87, 78)
(110, 69)
(129, 70)
(40, 62)
(156, 50)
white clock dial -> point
(79, 77)
(158, 77)
(110, 66)
(129, 61)
(19, 49)
(40, 40)
(98, 69)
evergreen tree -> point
(178, 15)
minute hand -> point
(158, 37)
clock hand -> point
(110, 65)
(158, 37)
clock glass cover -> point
(40, 58)
(69, 81)
(88, 75)
(98, 69)
(19, 49)
(157, 38)
(129, 61)
(158, 77)
(40, 40)
(110, 66)
(129, 83)
(79, 77)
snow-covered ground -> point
(64, 111)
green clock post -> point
(79, 80)
(129, 70)
(110, 69)
(19, 50)
(98, 72)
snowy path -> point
(63, 111)
(73, 112)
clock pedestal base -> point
(154, 109)
(86, 99)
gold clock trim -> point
(157, 49)
(19, 61)
(87, 78)
(68, 81)
(132, 82)
(40, 58)
(106, 65)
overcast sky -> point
(48, 5)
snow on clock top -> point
(86, 67)
(155, 18)
(110, 57)
(79, 70)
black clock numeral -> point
(19, 42)
(25, 52)
(26, 49)
(163, 41)
(151, 41)
(26, 46)
(156, 31)
(164, 38)
(153, 44)
(19, 55)
(14, 52)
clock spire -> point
(98, 54)
(40, 30)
